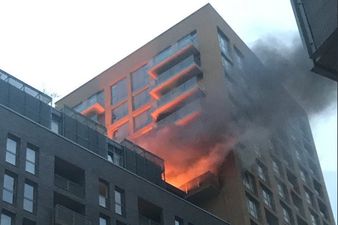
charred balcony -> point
(202, 187)
(176, 74)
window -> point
(267, 198)
(8, 191)
(252, 207)
(119, 201)
(313, 219)
(29, 196)
(178, 221)
(11, 150)
(281, 191)
(28, 222)
(308, 197)
(30, 165)
(122, 131)
(119, 91)
(276, 168)
(298, 155)
(6, 219)
(140, 99)
(249, 182)
(238, 58)
(302, 175)
(103, 194)
(115, 155)
(142, 120)
(119, 112)
(224, 43)
(103, 220)
(286, 215)
(261, 172)
(139, 78)
(55, 125)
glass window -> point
(267, 197)
(116, 156)
(281, 191)
(140, 99)
(238, 58)
(8, 190)
(178, 221)
(119, 201)
(28, 198)
(30, 165)
(224, 43)
(142, 120)
(119, 91)
(122, 131)
(252, 208)
(286, 215)
(249, 182)
(302, 175)
(120, 112)
(308, 197)
(11, 150)
(261, 172)
(103, 194)
(313, 219)
(139, 78)
(275, 167)
(103, 220)
(6, 219)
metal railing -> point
(68, 185)
(146, 221)
(65, 216)
(97, 98)
(205, 179)
(177, 91)
(173, 49)
(24, 87)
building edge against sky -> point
(184, 65)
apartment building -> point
(58, 167)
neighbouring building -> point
(318, 25)
(58, 167)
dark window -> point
(142, 120)
(104, 220)
(119, 91)
(11, 150)
(178, 221)
(28, 222)
(55, 124)
(119, 112)
(116, 155)
(286, 214)
(262, 172)
(267, 198)
(119, 201)
(249, 182)
(9, 186)
(140, 99)
(252, 207)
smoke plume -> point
(203, 145)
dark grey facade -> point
(49, 177)
(318, 25)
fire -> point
(187, 154)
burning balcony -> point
(175, 75)
(181, 116)
(93, 105)
(202, 187)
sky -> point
(56, 46)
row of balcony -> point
(94, 104)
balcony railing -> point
(172, 50)
(65, 216)
(185, 111)
(25, 87)
(146, 221)
(177, 91)
(96, 101)
(68, 185)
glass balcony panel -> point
(68, 185)
(65, 216)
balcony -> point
(69, 186)
(146, 221)
(171, 55)
(182, 71)
(95, 104)
(176, 97)
(183, 115)
(65, 216)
